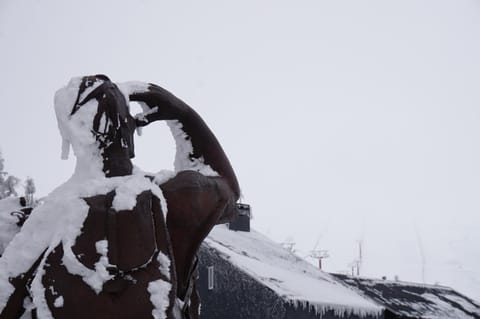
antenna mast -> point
(356, 264)
(360, 257)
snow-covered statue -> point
(113, 242)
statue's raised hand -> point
(158, 104)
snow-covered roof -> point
(415, 300)
(292, 278)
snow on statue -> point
(113, 242)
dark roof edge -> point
(398, 282)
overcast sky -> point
(345, 121)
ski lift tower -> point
(320, 255)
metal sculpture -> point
(122, 244)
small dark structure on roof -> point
(242, 220)
(411, 300)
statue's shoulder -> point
(161, 177)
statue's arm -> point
(163, 105)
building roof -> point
(292, 278)
(415, 300)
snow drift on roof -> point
(415, 300)
(292, 278)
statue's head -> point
(94, 118)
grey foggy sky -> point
(344, 120)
